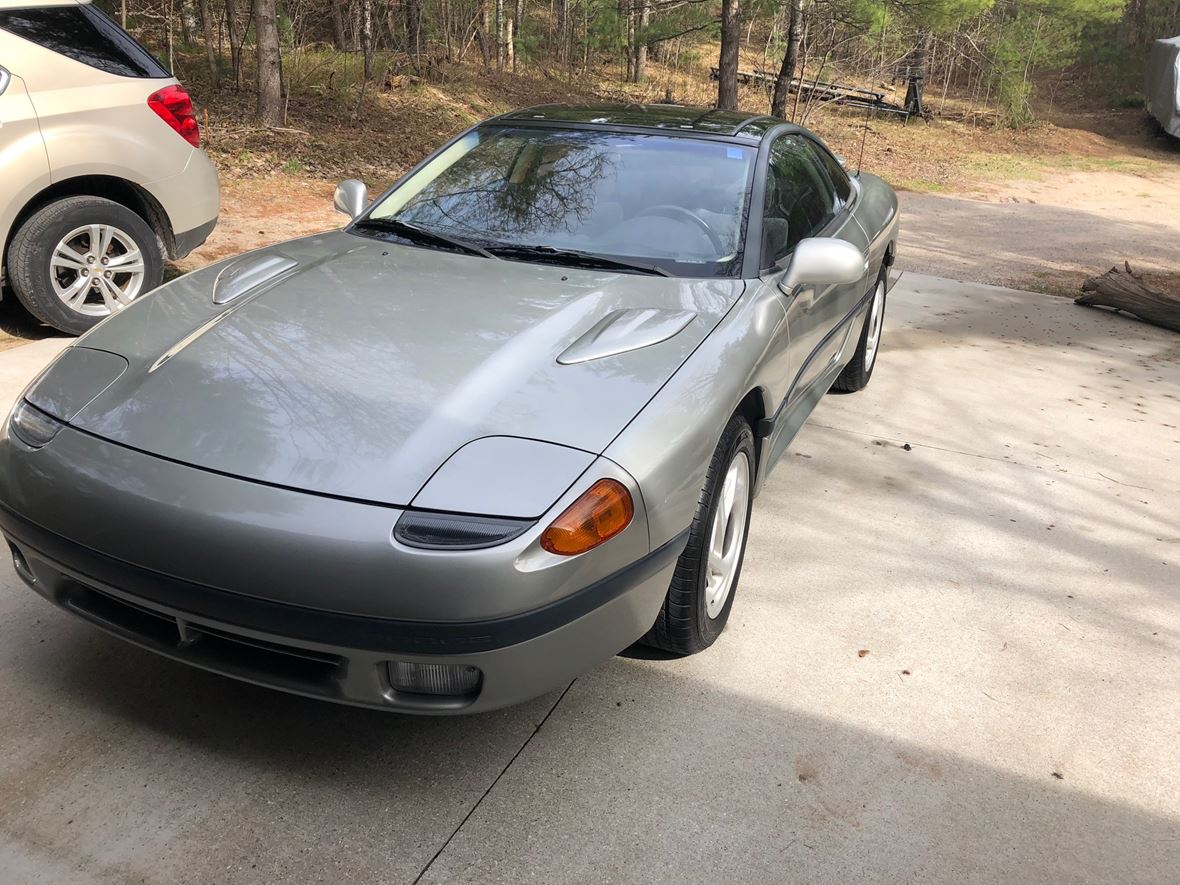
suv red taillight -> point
(174, 107)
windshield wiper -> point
(421, 235)
(573, 258)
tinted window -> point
(836, 174)
(672, 201)
(799, 199)
(84, 34)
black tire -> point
(683, 626)
(32, 248)
(859, 370)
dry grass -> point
(376, 132)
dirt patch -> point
(1046, 234)
(256, 212)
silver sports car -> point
(507, 422)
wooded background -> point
(995, 51)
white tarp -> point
(1163, 84)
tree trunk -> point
(499, 35)
(186, 17)
(337, 25)
(517, 31)
(481, 34)
(207, 30)
(641, 41)
(1125, 290)
(727, 63)
(235, 42)
(414, 25)
(270, 90)
(786, 73)
(367, 37)
(168, 35)
(567, 28)
(629, 41)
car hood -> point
(359, 366)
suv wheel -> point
(80, 259)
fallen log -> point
(1123, 289)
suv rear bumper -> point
(186, 241)
(191, 200)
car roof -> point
(30, 4)
(664, 117)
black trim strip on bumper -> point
(80, 563)
(185, 241)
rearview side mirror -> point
(824, 261)
(351, 197)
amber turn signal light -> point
(601, 513)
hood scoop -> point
(249, 273)
(625, 330)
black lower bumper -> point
(185, 241)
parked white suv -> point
(101, 171)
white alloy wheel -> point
(96, 269)
(727, 534)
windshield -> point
(676, 204)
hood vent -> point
(249, 273)
(625, 330)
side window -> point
(836, 173)
(799, 199)
(85, 34)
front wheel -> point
(701, 594)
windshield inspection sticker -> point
(735, 153)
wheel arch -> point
(110, 187)
(754, 408)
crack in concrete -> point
(471, 811)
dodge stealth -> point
(507, 422)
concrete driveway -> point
(955, 655)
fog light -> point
(434, 679)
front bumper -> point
(339, 657)
(311, 594)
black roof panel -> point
(654, 116)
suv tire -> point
(64, 247)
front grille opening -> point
(244, 656)
(125, 616)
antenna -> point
(863, 136)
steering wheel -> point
(680, 213)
